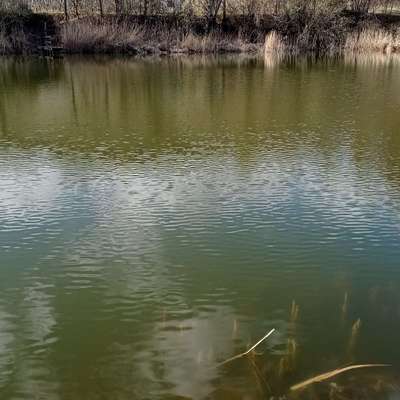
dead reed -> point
(249, 350)
(93, 36)
(271, 375)
(370, 40)
(331, 374)
(322, 37)
(274, 43)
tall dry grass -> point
(274, 43)
(84, 36)
(366, 41)
(14, 6)
(94, 36)
(373, 40)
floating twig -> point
(249, 350)
(327, 375)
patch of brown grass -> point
(96, 36)
(92, 36)
(274, 43)
(372, 40)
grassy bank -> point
(299, 31)
(364, 40)
(113, 36)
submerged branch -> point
(327, 375)
(249, 350)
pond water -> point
(159, 216)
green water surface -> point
(159, 216)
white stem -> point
(249, 350)
(261, 340)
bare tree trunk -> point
(224, 10)
(118, 7)
(75, 5)
(145, 7)
(215, 9)
(66, 9)
(101, 8)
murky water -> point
(160, 216)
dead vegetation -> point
(373, 40)
(212, 26)
(92, 36)
(365, 41)
(95, 36)
(272, 373)
(296, 33)
(331, 374)
(208, 26)
(211, 9)
(247, 352)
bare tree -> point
(211, 9)
(76, 4)
(66, 9)
(208, 8)
(119, 7)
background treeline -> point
(210, 9)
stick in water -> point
(327, 375)
(249, 350)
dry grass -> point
(331, 374)
(372, 40)
(274, 43)
(14, 6)
(367, 41)
(200, 44)
(91, 36)
(296, 32)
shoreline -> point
(320, 34)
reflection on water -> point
(160, 216)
